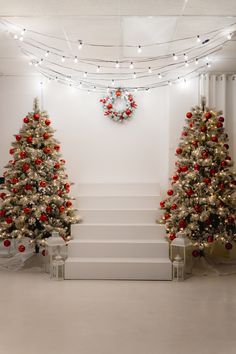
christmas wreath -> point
(119, 105)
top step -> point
(118, 189)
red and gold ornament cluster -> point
(110, 101)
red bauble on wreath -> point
(122, 98)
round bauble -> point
(21, 248)
(38, 162)
(221, 119)
(214, 138)
(23, 154)
(162, 204)
(210, 239)
(228, 246)
(18, 137)
(2, 212)
(223, 163)
(118, 93)
(25, 167)
(208, 115)
(189, 192)
(226, 146)
(172, 236)
(219, 125)
(68, 204)
(207, 180)
(29, 139)
(62, 209)
(42, 184)
(197, 208)
(14, 180)
(8, 220)
(184, 133)
(36, 116)
(184, 168)
(175, 178)
(174, 206)
(57, 147)
(182, 224)
(203, 129)
(213, 172)
(47, 122)
(28, 187)
(26, 210)
(109, 106)
(48, 209)
(3, 195)
(55, 177)
(196, 167)
(170, 192)
(195, 253)
(46, 136)
(14, 190)
(47, 150)
(26, 120)
(189, 115)
(43, 217)
(11, 151)
(57, 166)
(167, 216)
(6, 243)
(179, 151)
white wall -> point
(95, 148)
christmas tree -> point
(200, 201)
(36, 201)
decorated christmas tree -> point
(200, 201)
(36, 201)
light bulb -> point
(75, 59)
(56, 78)
(117, 65)
(198, 39)
(94, 88)
(196, 61)
(113, 82)
(185, 56)
(41, 60)
(80, 85)
(15, 36)
(63, 59)
(23, 32)
(186, 64)
(30, 63)
(169, 83)
(175, 56)
(21, 38)
(159, 76)
(134, 75)
(139, 49)
(229, 36)
(208, 65)
(80, 46)
(36, 64)
(98, 69)
(135, 90)
(46, 54)
(131, 65)
(85, 74)
(149, 70)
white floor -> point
(116, 317)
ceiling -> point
(115, 22)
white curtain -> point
(220, 93)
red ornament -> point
(228, 246)
(38, 162)
(128, 112)
(210, 239)
(191, 124)
(223, 163)
(11, 151)
(62, 161)
(22, 154)
(170, 192)
(207, 115)
(222, 186)
(15, 190)
(219, 125)
(226, 146)
(3, 195)
(182, 224)
(207, 180)
(26, 120)
(203, 128)
(43, 217)
(44, 253)
(195, 253)
(7, 243)
(196, 167)
(48, 209)
(179, 151)
(2, 212)
(221, 119)
(213, 172)
(214, 138)
(109, 106)
(189, 115)
(57, 166)
(55, 177)
(36, 116)
(27, 210)
(174, 206)
(42, 184)
(205, 154)
(228, 158)
(197, 208)
(195, 143)
(179, 170)
(167, 216)
(66, 185)
(68, 204)
(47, 122)
(46, 136)
(57, 147)
(189, 192)
(8, 219)
(60, 192)
(21, 248)
(184, 133)
(62, 209)
(175, 178)
(28, 187)
(172, 236)
(118, 93)
(14, 180)
(25, 167)
(162, 204)
(47, 150)
(18, 137)
(29, 139)
(184, 168)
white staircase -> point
(119, 237)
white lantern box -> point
(181, 246)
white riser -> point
(118, 216)
(119, 231)
(113, 268)
(118, 249)
(119, 202)
(115, 189)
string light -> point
(46, 54)
(63, 59)
(134, 75)
(131, 65)
(149, 70)
(139, 49)
(186, 64)
(185, 56)
(117, 65)
(198, 39)
(113, 82)
(229, 36)
(30, 63)
(196, 61)
(94, 88)
(15, 36)
(98, 69)
(169, 83)
(208, 65)
(175, 56)
(85, 74)
(75, 59)
(23, 32)
(21, 38)
(159, 76)
(80, 85)
(80, 46)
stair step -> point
(119, 216)
(118, 202)
(117, 231)
(116, 189)
(118, 268)
(118, 248)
